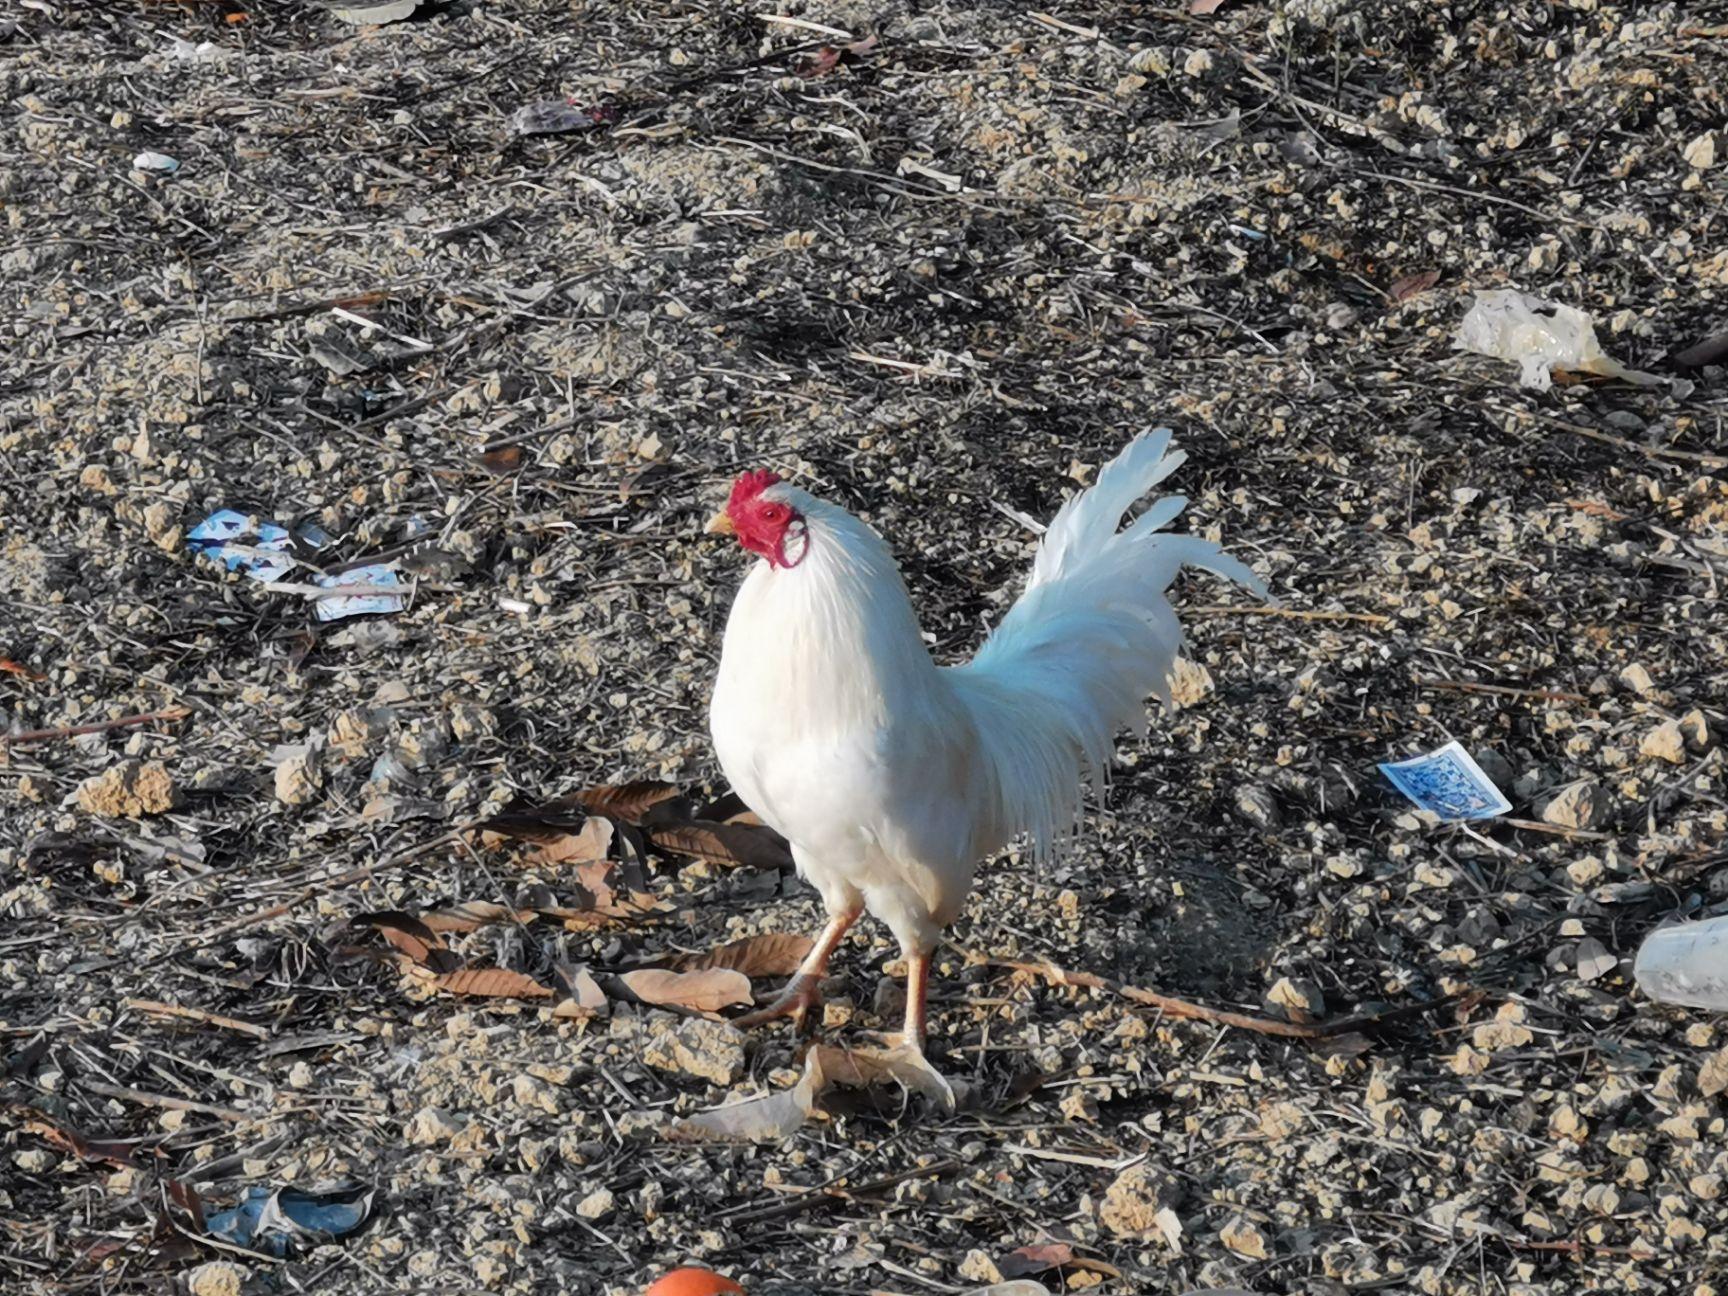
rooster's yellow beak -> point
(720, 524)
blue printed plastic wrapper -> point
(1448, 783)
(230, 537)
(334, 607)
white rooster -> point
(893, 777)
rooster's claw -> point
(795, 1002)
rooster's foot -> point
(904, 1060)
(802, 993)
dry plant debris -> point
(938, 261)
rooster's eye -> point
(773, 513)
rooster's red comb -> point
(751, 484)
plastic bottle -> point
(1686, 963)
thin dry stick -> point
(1654, 452)
(1293, 614)
(1501, 690)
(160, 1009)
(163, 1100)
(1578, 1250)
(1185, 1008)
(807, 25)
(826, 1194)
(72, 731)
(1557, 830)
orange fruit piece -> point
(692, 1282)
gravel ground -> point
(941, 278)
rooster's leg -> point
(917, 989)
(913, 1069)
(804, 991)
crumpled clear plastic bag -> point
(1539, 336)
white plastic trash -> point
(1686, 963)
(1539, 336)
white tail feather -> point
(1092, 636)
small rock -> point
(1506, 1031)
(300, 1076)
(1244, 1239)
(1583, 805)
(1299, 1000)
(1498, 769)
(1636, 678)
(1256, 804)
(391, 692)
(1585, 871)
(597, 1204)
(531, 1091)
(1696, 730)
(299, 777)
(1700, 153)
(216, 1278)
(431, 1125)
(130, 789)
(469, 721)
(978, 1267)
(707, 1050)
(1340, 315)
(34, 1161)
(353, 731)
(162, 525)
(1132, 1201)
(490, 1270)
(1594, 960)
(1713, 1075)
(1664, 742)
(1189, 682)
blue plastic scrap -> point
(273, 1220)
(1449, 783)
(231, 537)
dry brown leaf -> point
(630, 803)
(411, 937)
(534, 823)
(590, 844)
(767, 1119)
(706, 991)
(777, 1115)
(492, 983)
(502, 460)
(724, 843)
(901, 1065)
(1712, 350)
(723, 808)
(1035, 1259)
(470, 915)
(583, 996)
(768, 955)
(1413, 285)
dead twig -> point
(1293, 614)
(1500, 690)
(1555, 830)
(1188, 1010)
(146, 1099)
(102, 726)
(160, 1009)
(819, 1196)
(1608, 438)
